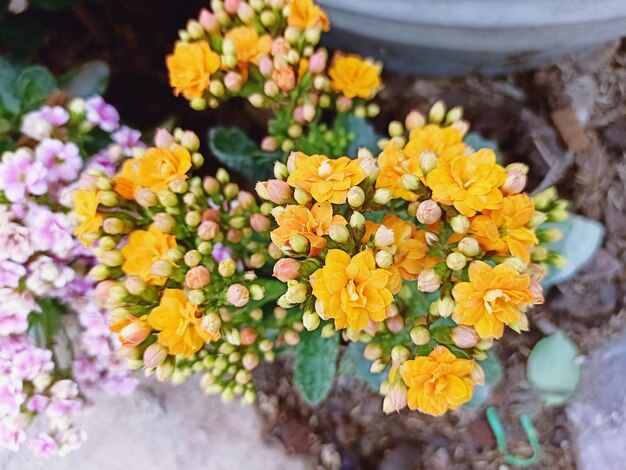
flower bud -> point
(384, 237)
(233, 81)
(208, 230)
(167, 198)
(431, 238)
(208, 21)
(454, 115)
(456, 261)
(428, 212)
(357, 220)
(410, 182)
(544, 199)
(536, 289)
(464, 336)
(299, 243)
(395, 129)
(113, 226)
(237, 295)
(356, 196)
(197, 277)
(256, 100)
(344, 104)
(339, 233)
(399, 354)
(515, 179)
(211, 323)
(428, 161)
(396, 397)
(384, 259)
(469, 247)
(165, 371)
(460, 223)
(445, 306)
(302, 197)
(395, 324)
(317, 62)
(428, 281)
(372, 352)
(227, 267)
(231, 6)
(549, 235)
(382, 196)
(287, 269)
(145, 197)
(135, 333)
(478, 375)
(190, 141)
(250, 361)
(377, 366)
(279, 192)
(311, 320)
(154, 355)
(284, 78)
(245, 13)
(414, 120)
(297, 293)
(420, 335)
(265, 66)
(162, 268)
(437, 112)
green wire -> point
(531, 435)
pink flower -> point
(15, 242)
(43, 445)
(10, 274)
(14, 311)
(39, 124)
(101, 114)
(11, 397)
(62, 160)
(259, 223)
(127, 138)
(20, 176)
(287, 269)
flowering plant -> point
(54, 341)
(267, 52)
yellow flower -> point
(437, 382)
(313, 224)
(469, 182)
(125, 182)
(325, 179)
(394, 163)
(304, 14)
(159, 167)
(86, 208)
(190, 68)
(352, 290)
(410, 251)
(493, 298)
(143, 249)
(354, 76)
(444, 142)
(504, 230)
(179, 323)
(248, 44)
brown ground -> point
(567, 122)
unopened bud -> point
(357, 220)
(227, 267)
(372, 352)
(162, 268)
(469, 247)
(464, 336)
(456, 261)
(410, 182)
(384, 237)
(460, 223)
(154, 355)
(420, 335)
(428, 281)
(384, 259)
(356, 196)
(339, 233)
(428, 161)
(437, 112)
(237, 295)
(428, 212)
(311, 320)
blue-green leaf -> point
(582, 238)
(353, 363)
(86, 80)
(9, 100)
(364, 135)
(34, 85)
(315, 365)
(552, 368)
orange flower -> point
(159, 167)
(410, 251)
(325, 179)
(179, 323)
(352, 290)
(444, 142)
(437, 382)
(394, 163)
(493, 298)
(86, 208)
(469, 182)
(313, 224)
(504, 230)
(132, 330)
(125, 182)
(143, 249)
(304, 14)
(248, 44)
(190, 68)
(354, 76)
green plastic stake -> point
(531, 435)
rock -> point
(597, 412)
(163, 427)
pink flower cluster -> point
(40, 262)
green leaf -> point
(493, 376)
(315, 365)
(89, 79)
(418, 305)
(43, 326)
(34, 85)
(477, 142)
(273, 290)
(552, 368)
(10, 103)
(233, 148)
(354, 364)
(581, 239)
(364, 135)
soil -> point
(568, 122)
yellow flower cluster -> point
(267, 52)
(368, 240)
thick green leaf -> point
(273, 290)
(34, 85)
(493, 376)
(418, 305)
(582, 238)
(9, 101)
(552, 368)
(315, 365)
(89, 79)
(353, 363)
(364, 135)
(233, 148)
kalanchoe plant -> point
(54, 342)
(177, 258)
(426, 252)
(267, 52)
